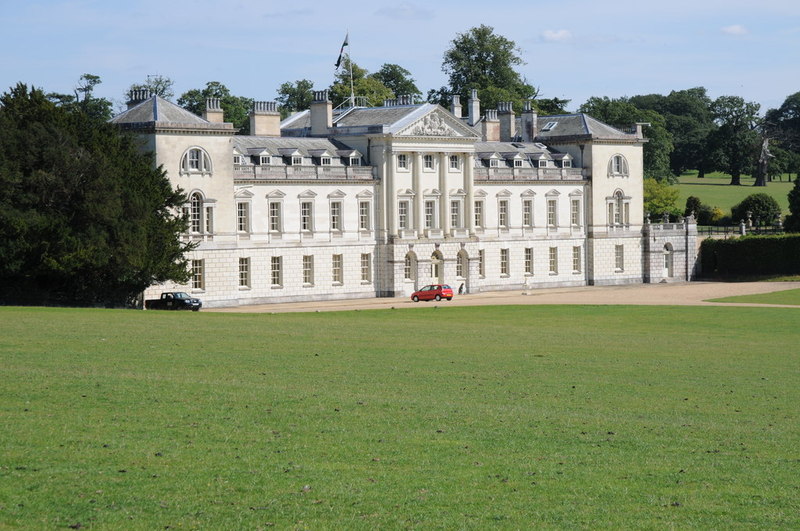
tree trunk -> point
(701, 173)
(736, 180)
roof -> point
(156, 112)
(579, 126)
(305, 146)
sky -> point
(572, 49)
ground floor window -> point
(576, 259)
(244, 272)
(198, 274)
(529, 260)
(504, 262)
(553, 260)
(337, 271)
(276, 271)
(366, 267)
(619, 257)
(308, 270)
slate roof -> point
(579, 126)
(156, 112)
(304, 145)
(527, 148)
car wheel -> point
(195, 309)
(415, 298)
(438, 298)
(449, 298)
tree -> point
(736, 138)
(85, 217)
(551, 106)
(84, 100)
(364, 86)
(784, 123)
(660, 198)
(622, 114)
(793, 219)
(398, 80)
(688, 118)
(480, 59)
(235, 108)
(294, 97)
(155, 85)
(762, 208)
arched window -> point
(196, 160)
(619, 211)
(618, 166)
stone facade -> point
(380, 201)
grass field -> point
(469, 418)
(714, 190)
(788, 297)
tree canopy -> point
(762, 208)
(294, 97)
(736, 138)
(784, 123)
(83, 100)
(364, 86)
(398, 80)
(236, 108)
(85, 217)
(480, 59)
(660, 198)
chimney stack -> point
(135, 97)
(213, 111)
(321, 113)
(474, 106)
(491, 126)
(265, 120)
(508, 121)
(529, 119)
(455, 106)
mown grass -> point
(788, 297)
(714, 190)
(507, 417)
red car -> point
(435, 292)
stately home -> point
(376, 202)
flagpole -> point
(352, 94)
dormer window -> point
(566, 163)
(493, 163)
(355, 161)
(517, 163)
(196, 160)
(265, 160)
(542, 163)
(549, 126)
(325, 161)
(237, 159)
(297, 161)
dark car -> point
(433, 292)
(174, 300)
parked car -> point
(432, 292)
(174, 300)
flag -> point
(341, 52)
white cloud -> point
(736, 29)
(561, 35)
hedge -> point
(751, 255)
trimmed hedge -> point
(751, 255)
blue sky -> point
(573, 49)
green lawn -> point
(456, 417)
(714, 190)
(788, 297)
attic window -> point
(237, 159)
(355, 161)
(566, 163)
(265, 160)
(518, 145)
(325, 161)
(540, 145)
(549, 126)
(492, 163)
(297, 161)
(517, 163)
(542, 163)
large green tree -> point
(294, 97)
(365, 87)
(480, 59)
(737, 138)
(660, 198)
(83, 100)
(783, 123)
(236, 108)
(689, 119)
(793, 219)
(85, 217)
(623, 114)
(398, 80)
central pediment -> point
(437, 123)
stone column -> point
(469, 181)
(419, 205)
(444, 198)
